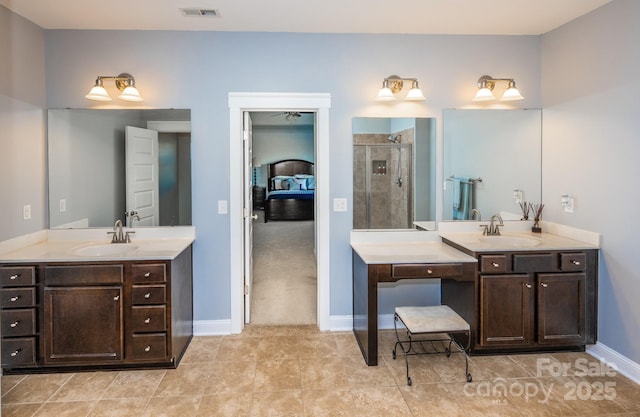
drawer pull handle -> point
(526, 284)
(14, 277)
(543, 285)
(495, 264)
(429, 271)
(148, 348)
(577, 263)
(147, 295)
(116, 298)
(147, 274)
(16, 352)
(14, 324)
(147, 320)
(14, 299)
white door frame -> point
(314, 102)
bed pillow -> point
(301, 182)
(280, 182)
(310, 181)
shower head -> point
(394, 138)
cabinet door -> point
(83, 324)
(506, 310)
(561, 309)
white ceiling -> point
(504, 17)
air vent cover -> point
(195, 12)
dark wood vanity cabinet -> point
(93, 315)
(529, 301)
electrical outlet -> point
(339, 204)
(517, 195)
(567, 203)
(26, 212)
(63, 205)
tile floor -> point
(298, 371)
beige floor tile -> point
(319, 373)
(19, 410)
(277, 404)
(183, 406)
(328, 403)
(35, 388)
(380, 401)
(269, 330)
(492, 367)
(347, 345)
(238, 349)
(120, 407)
(421, 369)
(278, 348)
(431, 399)
(10, 381)
(85, 386)
(533, 397)
(317, 345)
(202, 349)
(187, 379)
(66, 409)
(228, 377)
(277, 375)
(237, 404)
(585, 396)
(135, 384)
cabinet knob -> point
(116, 298)
(575, 262)
(429, 271)
(14, 277)
(147, 275)
(16, 352)
(543, 285)
(147, 349)
(14, 299)
(147, 320)
(526, 284)
(147, 295)
(495, 264)
(14, 324)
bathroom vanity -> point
(519, 292)
(72, 304)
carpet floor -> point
(284, 273)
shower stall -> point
(382, 185)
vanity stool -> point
(430, 324)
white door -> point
(248, 214)
(142, 175)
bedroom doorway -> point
(307, 102)
(283, 290)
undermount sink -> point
(105, 249)
(515, 241)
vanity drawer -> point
(73, 275)
(148, 319)
(148, 346)
(493, 263)
(17, 276)
(148, 294)
(17, 297)
(20, 322)
(533, 262)
(573, 261)
(144, 273)
(18, 352)
(426, 270)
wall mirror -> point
(96, 175)
(492, 159)
(393, 172)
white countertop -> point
(63, 245)
(524, 241)
(404, 247)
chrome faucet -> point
(474, 213)
(131, 216)
(494, 229)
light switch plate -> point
(339, 204)
(223, 207)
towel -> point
(462, 198)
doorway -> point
(312, 102)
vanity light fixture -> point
(393, 85)
(486, 84)
(124, 82)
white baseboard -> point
(345, 323)
(622, 364)
(211, 327)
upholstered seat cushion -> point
(432, 319)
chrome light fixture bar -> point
(124, 82)
(486, 84)
(394, 84)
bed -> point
(290, 191)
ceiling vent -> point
(195, 12)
